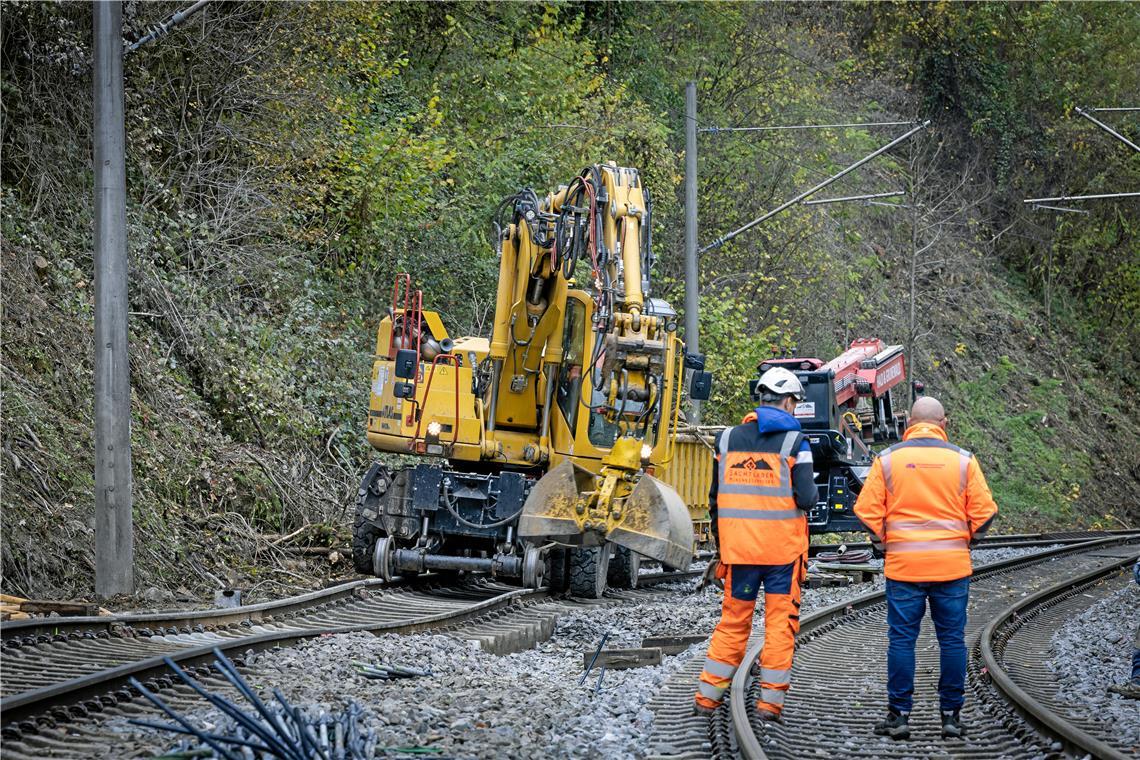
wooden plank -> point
(672, 644)
(839, 567)
(620, 659)
(827, 580)
(45, 607)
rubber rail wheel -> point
(625, 566)
(365, 532)
(588, 569)
(558, 569)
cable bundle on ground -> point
(265, 729)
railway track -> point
(1014, 715)
(1015, 647)
(1012, 540)
(58, 670)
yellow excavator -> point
(545, 453)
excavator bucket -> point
(550, 510)
(655, 523)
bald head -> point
(927, 409)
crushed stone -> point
(527, 704)
(1093, 651)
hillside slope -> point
(286, 160)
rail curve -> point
(1011, 648)
(820, 713)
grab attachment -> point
(620, 505)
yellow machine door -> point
(571, 421)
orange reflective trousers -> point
(730, 639)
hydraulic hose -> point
(851, 557)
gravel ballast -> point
(1094, 651)
(527, 704)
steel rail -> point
(218, 616)
(749, 743)
(260, 612)
(228, 616)
(1001, 541)
(1039, 715)
(666, 576)
(28, 704)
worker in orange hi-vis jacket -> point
(925, 502)
(759, 501)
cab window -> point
(573, 347)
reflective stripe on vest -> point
(953, 544)
(885, 464)
(927, 525)
(759, 514)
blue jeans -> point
(906, 605)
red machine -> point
(870, 369)
(848, 403)
(866, 371)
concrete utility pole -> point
(114, 532)
(692, 285)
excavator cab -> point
(598, 490)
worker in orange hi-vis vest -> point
(925, 502)
(759, 501)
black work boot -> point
(767, 715)
(896, 725)
(952, 727)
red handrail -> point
(453, 360)
(413, 315)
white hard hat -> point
(779, 381)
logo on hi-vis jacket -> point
(747, 469)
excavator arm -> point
(595, 229)
(579, 383)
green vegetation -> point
(1034, 475)
(286, 160)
